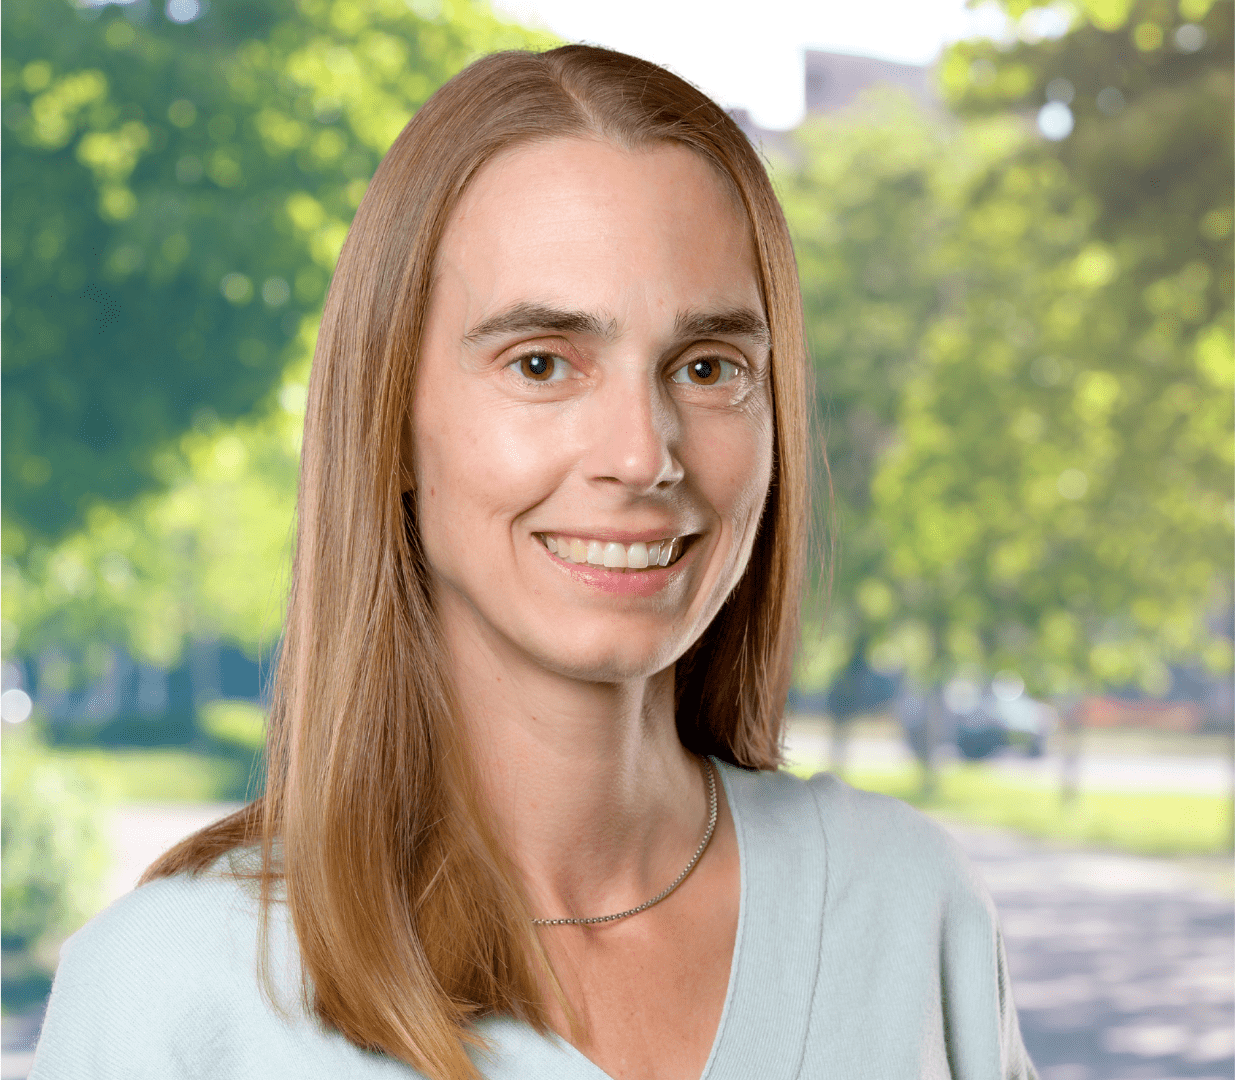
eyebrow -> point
(739, 322)
(524, 317)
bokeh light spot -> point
(1072, 484)
(1055, 120)
(183, 11)
(15, 706)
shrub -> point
(55, 854)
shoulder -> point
(876, 846)
(168, 967)
(907, 908)
(173, 928)
(910, 961)
(897, 878)
(887, 835)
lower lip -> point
(632, 583)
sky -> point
(749, 55)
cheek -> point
(731, 458)
(479, 465)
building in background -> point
(834, 82)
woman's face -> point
(592, 427)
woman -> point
(522, 817)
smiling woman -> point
(612, 409)
(523, 816)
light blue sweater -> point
(867, 949)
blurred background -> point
(1014, 231)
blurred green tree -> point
(865, 216)
(1059, 500)
(201, 559)
(870, 200)
(175, 195)
(55, 854)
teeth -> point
(613, 556)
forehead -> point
(601, 226)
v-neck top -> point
(866, 947)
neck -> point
(592, 793)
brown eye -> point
(542, 367)
(706, 371)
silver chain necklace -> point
(703, 844)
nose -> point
(632, 429)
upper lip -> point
(618, 536)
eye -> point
(542, 367)
(705, 371)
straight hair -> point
(410, 921)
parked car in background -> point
(978, 719)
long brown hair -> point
(409, 921)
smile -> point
(613, 556)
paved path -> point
(1122, 967)
(1198, 774)
(141, 833)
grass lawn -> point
(1144, 823)
(161, 774)
(222, 768)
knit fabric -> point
(867, 949)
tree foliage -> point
(175, 196)
(1060, 497)
(870, 201)
(1024, 354)
(55, 853)
(202, 558)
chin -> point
(610, 657)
